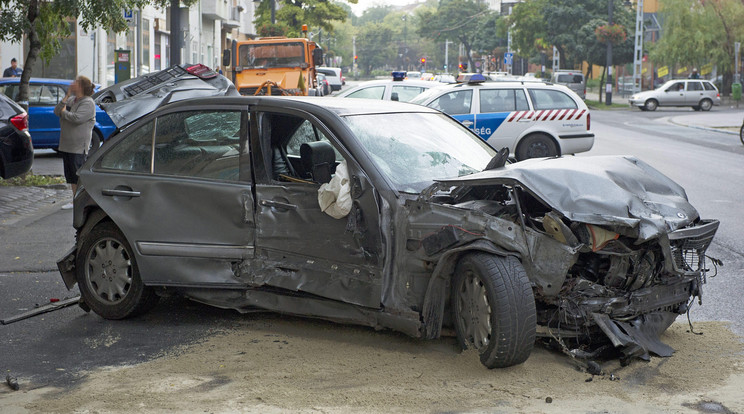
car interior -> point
(294, 150)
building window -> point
(145, 46)
(156, 55)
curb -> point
(702, 128)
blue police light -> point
(471, 78)
(399, 75)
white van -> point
(333, 75)
(572, 79)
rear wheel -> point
(741, 134)
(108, 276)
(494, 309)
(651, 105)
(96, 140)
(536, 146)
(696, 108)
(706, 105)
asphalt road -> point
(60, 347)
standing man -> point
(694, 74)
(13, 71)
(77, 116)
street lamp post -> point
(273, 11)
(608, 86)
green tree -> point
(698, 32)
(43, 23)
(295, 13)
(460, 20)
(373, 46)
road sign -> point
(706, 69)
(662, 71)
(682, 70)
(508, 58)
(128, 15)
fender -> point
(436, 292)
(66, 264)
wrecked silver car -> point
(387, 215)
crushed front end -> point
(636, 256)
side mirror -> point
(318, 57)
(226, 58)
(394, 96)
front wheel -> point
(494, 309)
(741, 134)
(651, 105)
(536, 146)
(706, 105)
(108, 276)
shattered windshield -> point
(414, 149)
(276, 55)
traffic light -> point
(355, 58)
(423, 61)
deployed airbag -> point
(334, 197)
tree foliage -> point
(45, 22)
(699, 32)
(373, 43)
(570, 26)
(295, 13)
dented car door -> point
(300, 247)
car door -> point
(457, 104)
(674, 94)
(43, 123)
(504, 115)
(303, 248)
(179, 187)
(694, 93)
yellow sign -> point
(663, 71)
(643, 71)
(682, 70)
(706, 69)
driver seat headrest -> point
(319, 159)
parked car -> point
(700, 95)
(16, 149)
(382, 214)
(334, 77)
(325, 87)
(532, 119)
(396, 89)
(571, 79)
(44, 94)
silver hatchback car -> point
(699, 94)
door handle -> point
(467, 123)
(278, 205)
(118, 192)
(525, 120)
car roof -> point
(39, 80)
(414, 82)
(340, 106)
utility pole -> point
(638, 49)
(273, 11)
(353, 45)
(446, 55)
(176, 37)
(608, 86)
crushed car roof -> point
(603, 190)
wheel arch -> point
(437, 292)
(538, 132)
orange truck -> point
(275, 66)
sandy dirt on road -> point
(275, 364)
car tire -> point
(536, 146)
(494, 309)
(651, 105)
(741, 134)
(706, 105)
(696, 108)
(108, 276)
(96, 140)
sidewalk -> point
(17, 203)
(724, 122)
(616, 97)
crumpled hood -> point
(604, 190)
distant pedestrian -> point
(13, 71)
(694, 74)
(219, 70)
(77, 116)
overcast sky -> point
(363, 4)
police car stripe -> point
(514, 114)
(556, 114)
(548, 114)
(580, 114)
(522, 116)
(569, 111)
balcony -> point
(234, 20)
(216, 9)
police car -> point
(532, 119)
(399, 88)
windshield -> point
(423, 97)
(414, 149)
(276, 55)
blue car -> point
(44, 94)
